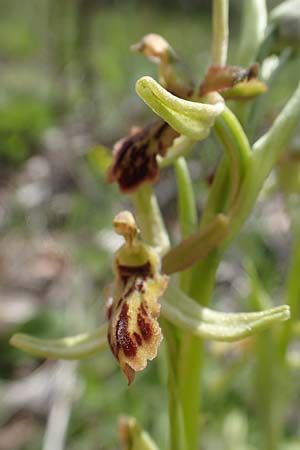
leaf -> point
(135, 156)
(192, 119)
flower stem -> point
(186, 208)
(149, 218)
(220, 32)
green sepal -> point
(192, 119)
(197, 246)
(71, 347)
(206, 323)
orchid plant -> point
(159, 290)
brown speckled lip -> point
(144, 327)
(123, 338)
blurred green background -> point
(66, 95)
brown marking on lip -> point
(142, 310)
(123, 338)
(138, 339)
(144, 327)
(143, 271)
(140, 286)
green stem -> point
(266, 152)
(188, 220)
(253, 28)
(266, 390)
(237, 148)
(269, 147)
(257, 108)
(187, 210)
(189, 375)
(292, 296)
(186, 199)
(220, 32)
(149, 218)
(177, 431)
(266, 372)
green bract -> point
(192, 119)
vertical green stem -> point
(191, 362)
(187, 210)
(220, 32)
(292, 295)
(149, 218)
(267, 371)
(177, 440)
(186, 199)
(191, 349)
(254, 23)
(267, 386)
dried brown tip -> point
(135, 156)
(152, 45)
(221, 78)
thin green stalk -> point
(177, 433)
(257, 108)
(266, 152)
(267, 388)
(189, 374)
(149, 218)
(266, 372)
(238, 153)
(237, 148)
(254, 23)
(187, 210)
(189, 360)
(292, 295)
(186, 199)
(220, 32)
